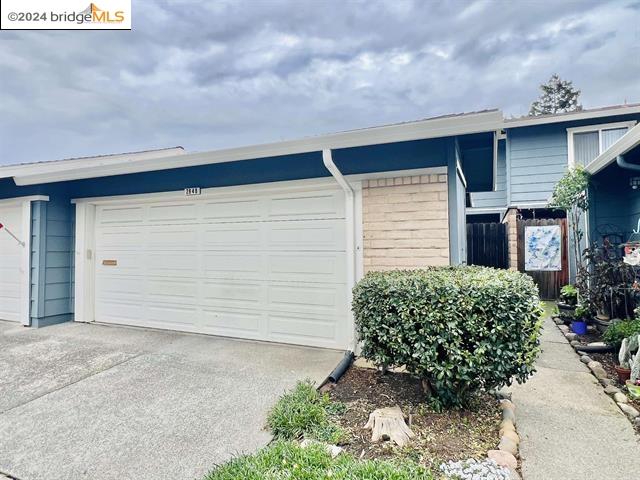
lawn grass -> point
(305, 413)
(288, 460)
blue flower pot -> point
(579, 327)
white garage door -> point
(268, 265)
(11, 274)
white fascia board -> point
(570, 117)
(85, 164)
(424, 129)
(28, 198)
(629, 140)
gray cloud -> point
(216, 74)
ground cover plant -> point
(305, 413)
(460, 329)
(288, 460)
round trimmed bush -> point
(460, 328)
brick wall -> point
(511, 218)
(405, 222)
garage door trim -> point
(25, 261)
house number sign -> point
(192, 191)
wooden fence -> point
(487, 245)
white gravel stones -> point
(475, 470)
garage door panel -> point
(300, 329)
(308, 267)
(115, 238)
(121, 215)
(233, 294)
(267, 266)
(172, 238)
(233, 322)
(307, 299)
(172, 290)
(232, 236)
(233, 265)
(329, 235)
(117, 311)
(306, 205)
(119, 288)
(233, 210)
(172, 264)
(170, 314)
(172, 213)
(12, 277)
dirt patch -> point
(450, 435)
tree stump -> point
(388, 424)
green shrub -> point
(460, 328)
(303, 412)
(618, 331)
(288, 460)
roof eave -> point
(569, 117)
(425, 129)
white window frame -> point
(592, 128)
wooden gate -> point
(487, 245)
(549, 283)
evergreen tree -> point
(557, 96)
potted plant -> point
(568, 299)
(626, 357)
(580, 318)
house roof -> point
(626, 143)
(75, 169)
(608, 111)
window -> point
(586, 143)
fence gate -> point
(487, 244)
(549, 283)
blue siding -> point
(497, 199)
(538, 157)
(51, 257)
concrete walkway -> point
(570, 428)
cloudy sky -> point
(222, 73)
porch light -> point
(634, 182)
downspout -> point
(622, 163)
(350, 200)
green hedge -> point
(461, 328)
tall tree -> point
(557, 96)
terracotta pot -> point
(623, 373)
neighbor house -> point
(262, 242)
(535, 152)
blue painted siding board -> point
(541, 152)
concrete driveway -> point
(102, 402)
